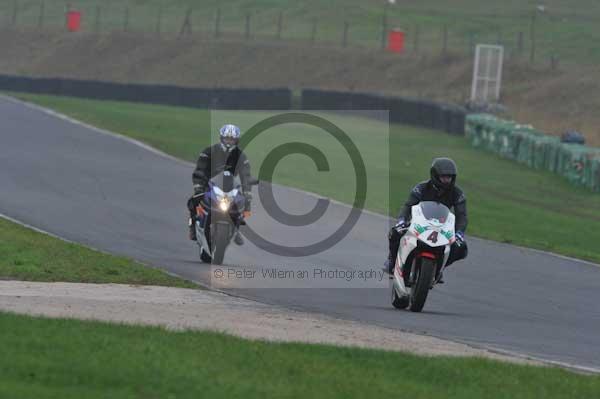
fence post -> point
(384, 26)
(67, 9)
(97, 19)
(472, 39)
(186, 27)
(345, 36)
(416, 39)
(15, 13)
(218, 23)
(159, 17)
(126, 20)
(313, 32)
(445, 40)
(553, 62)
(279, 25)
(247, 26)
(499, 38)
(532, 33)
(42, 14)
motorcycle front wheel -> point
(422, 284)
(219, 241)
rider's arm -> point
(413, 199)
(201, 174)
(460, 211)
(244, 171)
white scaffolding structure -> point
(487, 74)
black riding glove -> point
(198, 190)
(401, 225)
(460, 238)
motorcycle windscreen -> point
(226, 181)
(435, 211)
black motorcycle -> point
(219, 215)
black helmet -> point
(443, 167)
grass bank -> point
(559, 28)
(508, 202)
(52, 358)
(32, 256)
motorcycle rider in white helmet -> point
(223, 156)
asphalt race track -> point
(116, 196)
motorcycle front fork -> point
(411, 275)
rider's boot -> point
(394, 244)
(192, 228)
(388, 265)
(238, 239)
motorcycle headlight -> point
(224, 204)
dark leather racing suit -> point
(214, 160)
(453, 198)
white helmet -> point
(229, 136)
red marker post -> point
(396, 41)
(73, 21)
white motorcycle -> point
(423, 254)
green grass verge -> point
(569, 31)
(53, 358)
(32, 256)
(508, 202)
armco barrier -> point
(577, 163)
(446, 117)
(265, 99)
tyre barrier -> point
(446, 117)
(579, 164)
(218, 98)
(428, 114)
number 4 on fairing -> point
(433, 237)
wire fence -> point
(271, 24)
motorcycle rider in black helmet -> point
(441, 188)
